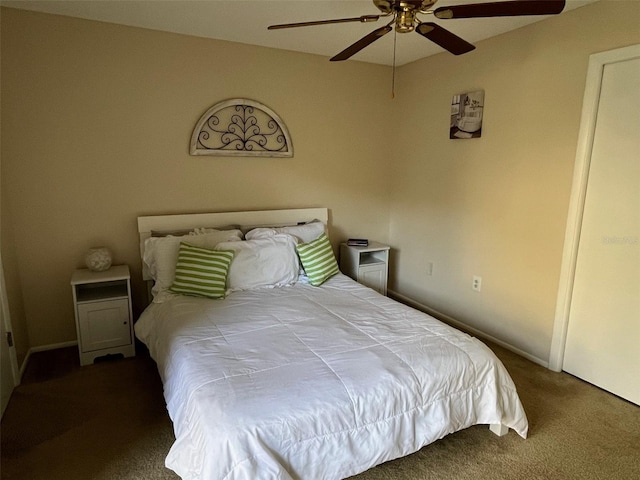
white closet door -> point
(603, 337)
(9, 375)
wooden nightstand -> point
(367, 265)
(102, 303)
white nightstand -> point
(102, 303)
(367, 265)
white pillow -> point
(161, 255)
(262, 262)
(191, 231)
(304, 233)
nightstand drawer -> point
(374, 276)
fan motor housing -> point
(389, 6)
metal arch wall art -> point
(241, 128)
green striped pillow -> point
(318, 260)
(201, 272)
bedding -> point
(192, 231)
(161, 254)
(201, 272)
(305, 382)
(318, 260)
(263, 262)
(303, 233)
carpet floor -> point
(108, 421)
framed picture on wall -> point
(466, 115)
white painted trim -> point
(597, 62)
(53, 346)
(463, 326)
(6, 315)
(24, 364)
(7, 328)
(244, 219)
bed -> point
(300, 378)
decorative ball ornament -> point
(98, 259)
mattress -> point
(304, 382)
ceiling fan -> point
(405, 13)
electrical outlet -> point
(477, 283)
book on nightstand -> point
(358, 242)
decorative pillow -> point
(318, 260)
(201, 272)
(263, 262)
(161, 254)
(303, 233)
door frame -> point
(590, 103)
(6, 320)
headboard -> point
(243, 220)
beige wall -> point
(496, 206)
(96, 124)
(96, 121)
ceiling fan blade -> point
(501, 9)
(360, 44)
(362, 19)
(444, 38)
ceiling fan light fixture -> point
(389, 6)
(405, 21)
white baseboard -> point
(53, 346)
(462, 326)
(43, 348)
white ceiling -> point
(246, 21)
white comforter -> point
(315, 382)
